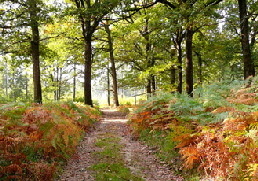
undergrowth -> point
(215, 133)
(36, 140)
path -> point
(112, 133)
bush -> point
(36, 139)
(215, 133)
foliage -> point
(36, 139)
(220, 140)
(133, 30)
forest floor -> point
(109, 152)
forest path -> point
(109, 153)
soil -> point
(137, 156)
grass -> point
(161, 140)
(111, 164)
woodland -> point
(184, 70)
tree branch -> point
(169, 4)
(212, 2)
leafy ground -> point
(110, 153)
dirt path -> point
(113, 132)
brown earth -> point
(138, 157)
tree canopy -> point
(64, 49)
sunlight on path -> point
(110, 153)
(106, 120)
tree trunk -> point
(249, 69)
(90, 17)
(146, 34)
(6, 81)
(153, 84)
(253, 34)
(180, 71)
(178, 45)
(52, 77)
(199, 57)
(113, 65)
(26, 86)
(56, 73)
(108, 86)
(172, 71)
(13, 95)
(172, 75)
(35, 52)
(189, 61)
(74, 81)
(148, 87)
(87, 71)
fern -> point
(40, 137)
(216, 132)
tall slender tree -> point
(33, 11)
(112, 61)
(17, 22)
(249, 68)
(90, 14)
(178, 44)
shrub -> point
(215, 133)
(35, 139)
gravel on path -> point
(141, 159)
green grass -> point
(167, 152)
(111, 164)
(114, 171)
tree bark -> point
(172, 75)
(189, 61)
(113, 65)
(249, 69)
(6, 80)
(57, 83)
(90, 17)
(172, 72)
(180, 69)
(26, 86)
(153, 84)
(200, 78)
(108, 86)
(178, 44)
(146, 34)
(35, 52)
(148, 87)
(87, 32)
(87, 71)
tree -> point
(17, 23)
(192, 11)
(178, 44)
(249, 68)
(33, 12)
(136, 49)
(90, 14)
(112, 61)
